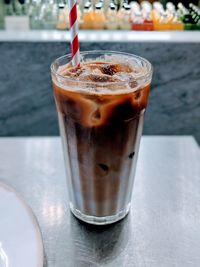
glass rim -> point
(149, 68)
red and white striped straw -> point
(74, 33)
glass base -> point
(99, 220)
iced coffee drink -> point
(101, 108)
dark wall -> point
(26, 98)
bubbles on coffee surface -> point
(102, 72)
(102, 76)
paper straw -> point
(73, 21)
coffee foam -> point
(110, 74)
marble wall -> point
(26, 99)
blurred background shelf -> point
(101, 36)
(27, 106)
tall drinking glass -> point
(101, 120)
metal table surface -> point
(162, 229)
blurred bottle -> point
(146, 6)
(88, 16)
(147, 16)
(20, 7)
(171, 10)
(93, 3)
(176, 23)
(35, 15)
(17, 7)
(28, 6)
(24, 6)
(186, 17)
(170, 7)
(148, 22)
(119, 12)
(156, 14)
(99, 22)
(135, 8)
(124, 17)
(111, 17)
(49, 13)
(8, 8)
(63, 21)
(194, 11)
(164, 24)
(81, 4)
(158, 6)
(138, 22)
(1, 14)
(79, 15)
(198, 22)
(106, 5)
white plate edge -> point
(33, 219)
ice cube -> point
(133, 84)
(97, 78)
(123, 76)
(109, 69)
